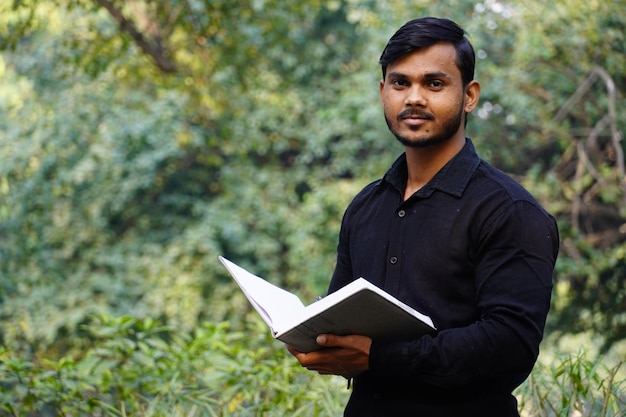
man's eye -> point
(436, 84)
(401, 83)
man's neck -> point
(424, 163)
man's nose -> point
(415, 96)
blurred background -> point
(141, 139)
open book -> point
(358, 308)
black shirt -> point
(473, 250)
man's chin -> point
(419, 142)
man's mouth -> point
(414, 118)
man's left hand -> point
(347, 356)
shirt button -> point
(401, 213)
(393, 260)
(377, 396)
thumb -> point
(331, 340)
(324, 340)
(362, 343)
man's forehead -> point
(440, 58)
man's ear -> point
(472, 94)
(381, 84)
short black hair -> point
(427, 31)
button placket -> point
(401, 214)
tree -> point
(129, 183)
(145, 138)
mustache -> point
(405, 114)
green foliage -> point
(142, 368)
(574, 386)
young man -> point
(449, 235)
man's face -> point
(423, 97)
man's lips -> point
(414, 121)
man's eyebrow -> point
(395, 74)
(427, 76)
(436, 74)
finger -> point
(331, 340)
(328, 340)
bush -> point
(140, 368)
(574, 386)
(143, 369)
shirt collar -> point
(451, 179)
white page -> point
(275, 305)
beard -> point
(445, 133)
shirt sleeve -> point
(515, 257)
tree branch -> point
(609, 119)
(155, 50)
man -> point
(449, 235)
